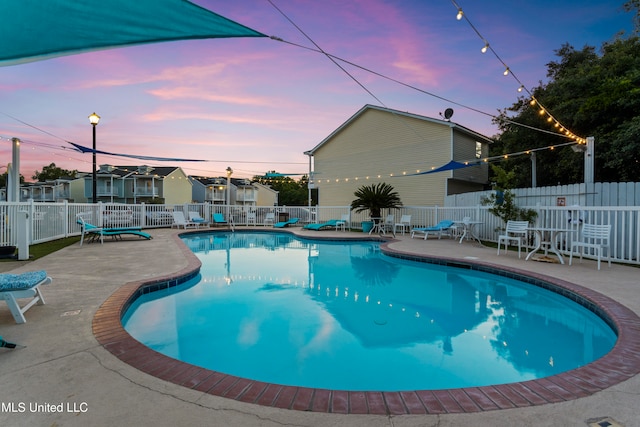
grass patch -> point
(46, 248)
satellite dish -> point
(448, 113)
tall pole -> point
(534, 170)
(229, 173)
(589, 155)
(94, 119)
(94, 181)
(13, 173)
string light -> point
(508, 71)
(474, 162)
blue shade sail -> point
(34, 30)
(452, 165)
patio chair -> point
(389, 223)
(595, 237)
(269, 218)
(344, 223)
(179, 221)
(404, 224)
(252, 218)
(283, 224)
(517, 232)
(457, 229)
(197, 219)
(439, 229)
(329, 224)
(24, 285)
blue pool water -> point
(343, 316)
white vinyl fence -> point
(50, 221)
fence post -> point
(143, 215)
(23, 235)
(66, 216)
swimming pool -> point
(429, 326)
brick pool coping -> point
(620, 364)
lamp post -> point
(229, 173)
(94, 119)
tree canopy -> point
(591, 92)
(52, 172)
(290, 191)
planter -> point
(7, 251)
(367, 226)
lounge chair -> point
(283, 224)
(25, 285)
(331, 223)
(439, 229)
(195, 218)
(179, 221)
(99, 232)
(218, 219)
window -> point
(478, 150)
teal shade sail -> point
(33, 30)
(452, 165)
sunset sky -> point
(257, 104)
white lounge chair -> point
(404, 224)
(25, 285)
(197, 219)
(595, 237)
(179, 221)
(516, 231)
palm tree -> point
(374, 198)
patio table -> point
(547, 237)
(468, 230)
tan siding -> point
(176, 188)
(266, 196)
(465, 149)
(378, 144)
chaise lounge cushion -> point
(17, 282)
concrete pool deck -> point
(65, 367)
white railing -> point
(50, 221)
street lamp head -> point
(94, 119)
(229, 171)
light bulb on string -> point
(484, 49)
(460, 14)
(520, 89)
(506, 71)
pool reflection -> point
(474, 328)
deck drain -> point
(603, 422)
(70, 313)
